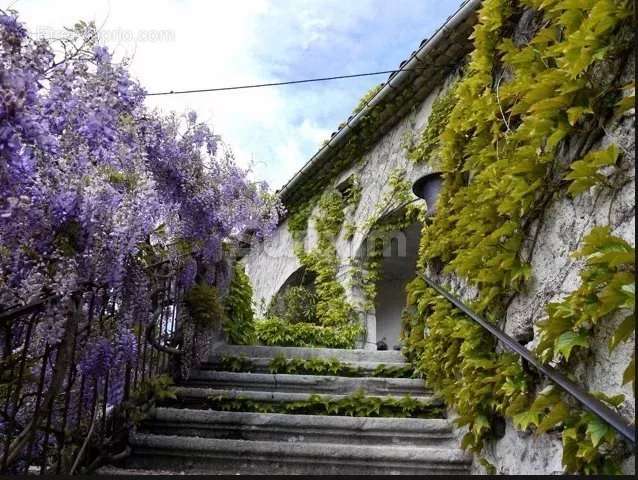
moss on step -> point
(315, 366)
(332, 366)
(357, 404)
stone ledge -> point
(343, 355)
(202, 393)
(263, 457)
(300, 428)
(306, 383)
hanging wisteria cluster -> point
(93, 184)
(87, 173)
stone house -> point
(404, 103)
(370, 147)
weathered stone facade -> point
(554, 236)
(271, 263)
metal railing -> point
(616, 421)
(54, 409)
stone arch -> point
(398, 267)
(300, 277)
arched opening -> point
(396, 267)
(295, 301)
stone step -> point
(300, 428)
(110, 470)
(343, 355)
(262, 364)
(221, 456)
(306, 383)
(189, 396)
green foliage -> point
(590, 445)
(231, 363)
(489, 468)
(349, 229)
(395, 212)
(203, 305)
(337, 322)
(585, 172)
(352, 194)
(397, 195)
(607, 287)
(366, 98)
(332, 366)
(156, 389)
(298, 222)
(504, 135)
(239, 323)
(311, 366)
(273, 331)
(294, 304)
(357, 404)
(426, 150)
(386, 371)
(496, 140)
(460, 362)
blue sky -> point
(175, 45)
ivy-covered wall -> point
(537, 147)
(535, 229)
(381, 172)
(553, 239)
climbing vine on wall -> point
(504, 158)
(426, 149)
(607, 287)
(239, 324)
(395, 212)
(337, 323)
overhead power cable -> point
(292, 82)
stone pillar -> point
(354, 295)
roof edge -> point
(394, 83)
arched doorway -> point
(397, 266)
(295, 301)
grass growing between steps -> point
(229, 363)
(357, 404)
(316, 366)
(332, 366)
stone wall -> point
(270, 263)
(555, 275)
(552, 239)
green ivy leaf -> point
(613, 400)
(525, 419)
(568, 340)
(624, 331)
(574, 114)
(584, 173)
(625, 104)
(630, 372)
(596, 430)
(556, 415)
(630, 294)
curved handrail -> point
(591, 403)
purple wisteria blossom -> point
(91, 181)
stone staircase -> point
(194, 435)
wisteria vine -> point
(94, 185)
